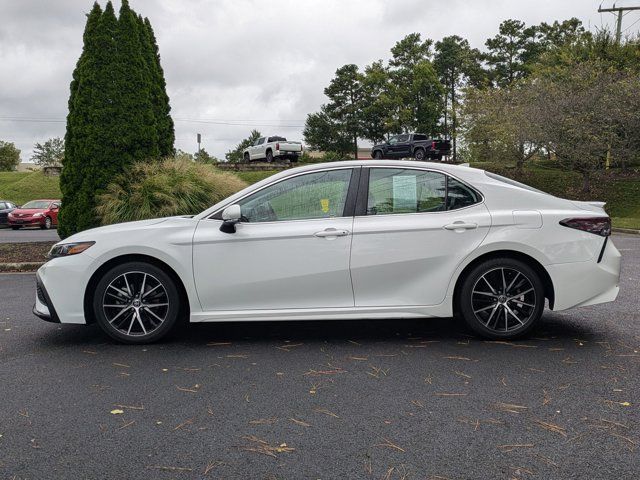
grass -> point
(20, 187)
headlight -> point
(66, 249)
(38, 215)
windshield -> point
(40, 204)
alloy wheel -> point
(135, 303)
(503, 299)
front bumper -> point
(26, 222)
(43, 307)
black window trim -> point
(349, 204)
(363, 191)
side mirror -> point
(230, 216)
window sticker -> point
(405, 195)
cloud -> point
(260, 64)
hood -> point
(119, 228)
(29, 211)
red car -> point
(36, 213)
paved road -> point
(335, 400)
(28, 235)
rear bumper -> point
(43, 306)
(578, 284)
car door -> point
(402, 148)
(412, 229)
(291, 249)
(53, 213)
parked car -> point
(412, 145)
(36, 213)
(6, 207)
(343, 240)
(273, 148)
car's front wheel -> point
(501, 298)
(47, 224)
(136, 302)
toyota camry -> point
(345, 240)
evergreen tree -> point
(138, 136)
(118, 108)
(75, 164)
(161, 107)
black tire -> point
(377, 155)
(15, 227)
(492, 313)
(105, 294)
(47, 224)
(419, 154)
(246, 158)
(269, 156)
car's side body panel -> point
(399, 266)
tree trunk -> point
(355, 147)
(454, 119)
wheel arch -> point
(109, 264)
(549, 290)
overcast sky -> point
(234, 65)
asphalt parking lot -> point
(24, 235)
(335, 400)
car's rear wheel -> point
(269, 156)
(47, 224)
(136, 302)
(502, 298)
(247, 159)
(419, 154)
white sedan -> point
(345, 240)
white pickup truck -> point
(272, 148)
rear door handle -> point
(460, 226)
(331, 232)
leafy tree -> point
(345, 103)
(9, 156)
(417, 93)
(457, 64)
(377, 104)
(580, 115)
(235, 155)
(499, 125)
(509, 51)
(323, 134)
(49, 153)
(204, 157)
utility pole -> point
(620, 11)
(199, 140)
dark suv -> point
(412, 145)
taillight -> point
(598, 225)
(277, 146)
(433, 145)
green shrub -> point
(333, 157)
(172, 187)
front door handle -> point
(331, 232)
(460, 226)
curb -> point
(625, 230)
(20, 267)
